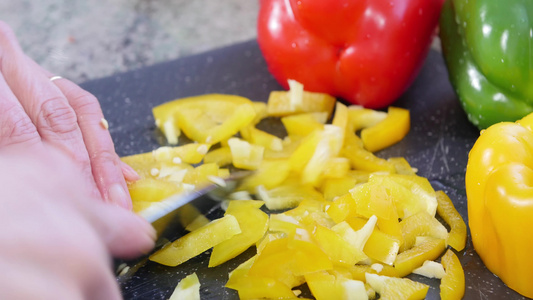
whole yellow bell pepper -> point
(499, 177)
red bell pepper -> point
(365, 52)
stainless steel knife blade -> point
(171, 216)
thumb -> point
(125, 234)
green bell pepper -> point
(488, 49)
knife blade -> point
(171, 216)
(180, 209)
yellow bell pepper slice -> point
(220, 156)
(270, 174)
(382, 247)
(446, 210)
(341, 208)
(196, 242)
(500, 206)
(415, 257)
(207, 118)
(262, 138)
(421, 224)
(362, 159)
(452, 285)
(387, 132)
(336, 167)
(305, 123)
(336, 187)
(325, 286)
(296, 100)
(251, 218)
(187, 289)
(192, 153)
(245, 155)
(360, 117)
(275, 261)
(336, 247)
(287, 195)
(397, 288)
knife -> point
(182, 208)
(170, 216)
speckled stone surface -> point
(87, 39)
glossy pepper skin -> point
(499, 180)
(487, 48)
(365, 52)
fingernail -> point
(129, 173)
(118, 195)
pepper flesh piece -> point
(452, 284)
(196, 242)
(415, 257)
(397, 288)
(206, 119)
(446, 209)
(250, 217)
(389, 131)
(498, 188)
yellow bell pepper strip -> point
(387, 132)
(221, 156)
(333, 188)
(249, 217)
(396, 288)
(208, 118)
(187, 289)
(446, 210)
(261, 138)
(360, 117)
(382, 247)
(189, 153)
(452, 285)
(415, 257)
(270, 174)
(500, 205)
(296, 100)
(305, 123)
(325, 286)
(245, 155)
(420, 224)
(196, 242)
(336, 247)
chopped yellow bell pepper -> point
(397, 288)
(261, 138)
(249, 216)
(446, 209)
(415, 257)
(500, 205)
(206, 119)
(305, 123)
(325, 286)
(387, 132)
(187, 289)
(196, 242)
(245, 155)
(336, 247)
(296, 100)
(452, 284)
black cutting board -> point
(437, 145)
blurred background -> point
(88, 39)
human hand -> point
(56, 241)
(35, 109)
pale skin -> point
(64, 206)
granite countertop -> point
(88, 39)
